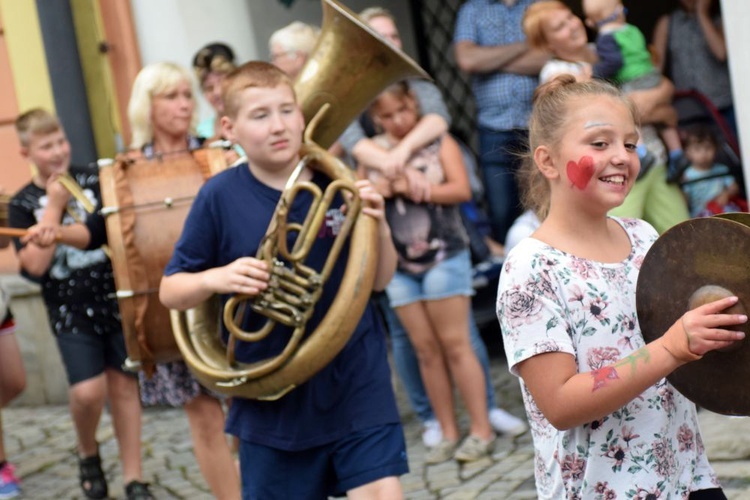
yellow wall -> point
(26, 68)
(26, 53)
(99, 88)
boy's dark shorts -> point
(86, 354)
(329, 470)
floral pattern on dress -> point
(551, 301)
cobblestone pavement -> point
(40, 441)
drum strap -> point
(139, 281)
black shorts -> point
(86, 353)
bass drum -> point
(145, 203)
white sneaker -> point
(432, 434)
(505, 423)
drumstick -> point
(13, 232)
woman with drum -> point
(162, 113)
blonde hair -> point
(371, 13)
(253, 74)
(598, 10)
(35, 121)
(152, 80)
(533, 21)
(551, 106)
(295, 37)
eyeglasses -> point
(288, 54)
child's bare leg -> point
(86, 404)
(648, 100)
(387, 488)
(12, 374)
(206, 419)
(664, 114)
(432, 365)
(126, 419)
(671, 138)
(12, 378)
(3, 456)
(677, 161)
(450, 319)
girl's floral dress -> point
(551, 301)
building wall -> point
(24, 83)
(244, 25)
(174, 30)
(268, 16)
(736, 16)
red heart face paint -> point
(580, 173)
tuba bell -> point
(350, 65)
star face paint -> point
(580, 173)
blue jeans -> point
(407, 366)
(499, 161)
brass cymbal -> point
(711, 251)
(741, 217)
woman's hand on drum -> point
(246, 275)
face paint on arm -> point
(580, 173)
(602, 376)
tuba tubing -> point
(271, 379)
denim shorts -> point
(86, 355)
(448, 278)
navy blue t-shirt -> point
(228, 220)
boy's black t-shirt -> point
(77, 281)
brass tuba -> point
(351, 64)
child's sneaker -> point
(432, 434)
(676, 166)
(474, 448)
(440, 453)
(9, 483)
(505, 423)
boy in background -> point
(77, 288)
(340, 431)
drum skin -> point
(145, 205)
(711, 251)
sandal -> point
(93, 482)
(137, 490)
